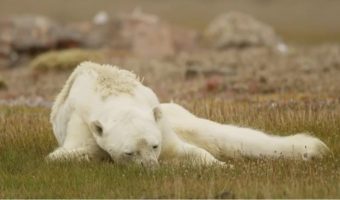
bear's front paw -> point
(65, 155)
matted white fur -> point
(103, 111)
(228, 141)
(110, 80)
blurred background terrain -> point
(231, 49)
(302, 21)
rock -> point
(101, 32)
(184, 39)
(146, 35)
(34, 33)
(236, 29)
(64, 59)
(214, 83)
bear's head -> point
(130, 135)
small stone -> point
(263, 79)
(214, 83)
(191, 73)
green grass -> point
(26, 138)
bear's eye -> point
(155, 146)
(129, 153)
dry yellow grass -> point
(26, 137)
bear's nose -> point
(150, 164)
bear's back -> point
(109, 80)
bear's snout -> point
(150, 164)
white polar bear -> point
(103, 111)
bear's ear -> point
(157, 113)
(97, 128)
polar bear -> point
(103, 111)
(106, 112)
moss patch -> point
(3, 84)
(64, 59)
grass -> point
(26, 138)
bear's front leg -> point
(179, 150)
(78, 154)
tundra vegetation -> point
(250, 78)
(26, 138)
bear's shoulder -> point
(110, 80)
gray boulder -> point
(240, 30)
